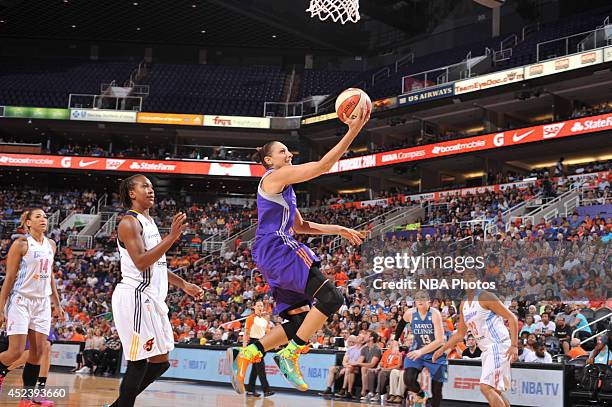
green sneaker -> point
(240, 359)
(287, 361)
(421, 401)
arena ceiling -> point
(220, 23)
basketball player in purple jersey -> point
(289, 267)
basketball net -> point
(337, 10)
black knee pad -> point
(293, 323)
(329, 299)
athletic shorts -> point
(496, 367)
(25, 313)
(142, 324)
(437, 371)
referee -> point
(256, 327)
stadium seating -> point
(41, 82)
(213, 89)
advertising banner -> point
(607, 54)
(36, 113)
(529, 387)
(321, 118)
(384, 104)
(170, 118)
(94, 115)
(489, 81)
(130, 165)
(563, 64)
(237, 121)
(212, 365)
(64, 354)
(426, 95)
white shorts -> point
(496, 371)
(25, 313)
(143, 326)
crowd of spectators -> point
(547, 273)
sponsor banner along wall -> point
(237, 121)
(131, 165)
(563, 64)
(607, 54)
(94, 115)
(36, 113)
(212, 365)
(528, 387)
(426, 95)
(490, 81)
(65, 354)
(170, 118)
(574, 127)
(489, 141)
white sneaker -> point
(84, 370)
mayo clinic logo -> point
(66, 162)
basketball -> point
(350, 102)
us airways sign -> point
(425, 95)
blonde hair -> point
(26, 215)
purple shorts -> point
(285, 264)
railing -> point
(530, 29)
(509, 42)
(502, 55)
(403, 61)
(437, 76)
(545, 210)
(608, 316)
(286, 109)
(104, 102)
(102, 201)
(54, 220)
(108, 227)
(601, 200)
(572, 44)
(105, 86)
(383, 73)
(80, 242)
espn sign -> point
(466, 383)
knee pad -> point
(293, 324)
(329, 299)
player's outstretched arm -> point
(294, 174)
(130, 235)
(191, 289)
(490, 301)
(455, 338)
(18, 249)
(306, 227)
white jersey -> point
(487, 327)
(34, 275)
(154, 280)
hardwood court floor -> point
(86, 391)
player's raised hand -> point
(354, 236)
(178, 225)
(357, 123)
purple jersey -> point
(284, 262)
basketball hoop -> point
(338, 10)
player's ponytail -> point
(124, 190)
(262, 152)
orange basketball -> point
(350, 103)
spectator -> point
(539, 355)
(111, 354)
(472, 351)
(369, 358)
(390, 360)
(546, 328)
(576, 349)
(350, 356)
(92, 351)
